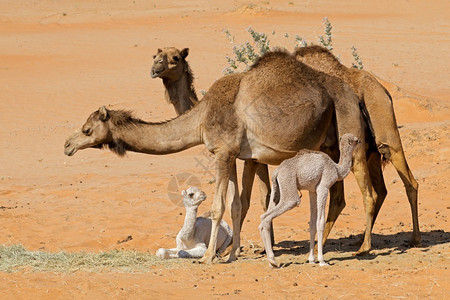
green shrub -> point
(246, 54)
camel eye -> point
(154, 56)
(87, 131)
(191, 195)
(176, 58)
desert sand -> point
(61, 60)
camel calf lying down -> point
(193, 238)
(308, 170)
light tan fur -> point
(387, 144)
(266, 115)
(193, 238)
(315, 172)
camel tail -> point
(362, 107)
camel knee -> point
(266, 222)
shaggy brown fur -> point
(266, 115)
(376, 103)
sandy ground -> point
(61, 60)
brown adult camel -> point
(266, 114)
(171, 66)
(387, 143)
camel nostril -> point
(67, 144)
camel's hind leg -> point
(397, 157)
(289, 198)
(337, 198)
(376, 175)
(361, 172)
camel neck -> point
(180, 94)
(345, 163)
(187, 232)
(171, 136)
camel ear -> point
(184, 193)
(103, 114)
(159, 50)
(184, 53)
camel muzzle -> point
(154, 73)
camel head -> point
(95, 133)
(349, 141)
(193, 197)
(168, 63)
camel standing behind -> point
(266, 114)
(171, 66)
(308, 170)
(193, 238)
(380, 113)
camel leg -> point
(399, 161)
(312, 225)
(167, 253)
(262, 176)
(337, 197)
(248, 176)
(263, 179)
(266, 220)
(289, 198)
(376, 175)
(361, 172)
(196, 252)
(321, 199)
(337, 204)
(223, 169)
(233, 198)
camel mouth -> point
(70, 151)
(154, 73)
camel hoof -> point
(205, 260)
(311, 262)
(415, 242)
(273, 263)
(231, 259)
(323, 264)
(162, 253)
(361, 252)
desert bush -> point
(244, 55)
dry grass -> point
(16, 258)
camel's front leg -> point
(167, 253)
(196, 252)
(235, 201)
(262, 177)
(223, 168)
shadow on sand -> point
(398, 243)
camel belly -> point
(274, 148)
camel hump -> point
(270, 57)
